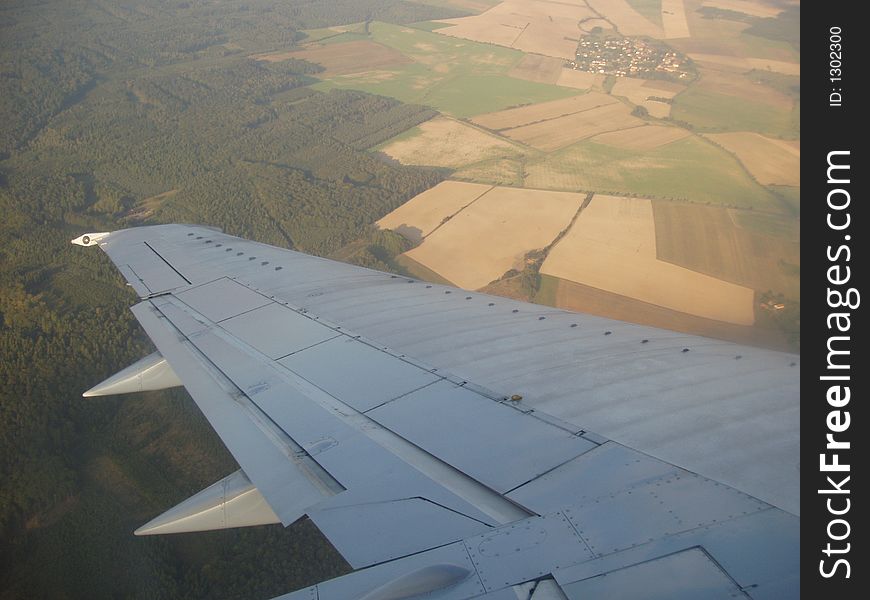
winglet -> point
(231, 502)
(90, 239)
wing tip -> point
(90, 239)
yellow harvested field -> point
(557, 133)
(343, 58)
(749, 7)
(771, 161)
(627, 20)
(639, 91)
(494, 234)
(658, 86)
(674, 19)
(536, 26)
(645, 137)
(589, 24)
(582, 80)
(445, 142)
(541, 69)
(737, 63)
(423, 213)
(612, 247)
(533, 113)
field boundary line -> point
(449, 217)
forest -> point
(121, 112)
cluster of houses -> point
(629, 57)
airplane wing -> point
(461, 445)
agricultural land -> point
(449, 140)
(689, 105)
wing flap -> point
(266, 414)
(516, 449)
(271, 460)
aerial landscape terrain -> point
(634, 159)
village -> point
(630, 57)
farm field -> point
(553, 134)
(612, 246)
(651, 10)
(455, 76)
(722, 101)
(690, 169)
(646, 137)
(728, 38)
(674, 20)
(535, 26)
(417, 270)
(495, 172)
(538, 68)
(493, 235)
(732, 145)
(638, 91)
(629, 21)
(790, 195)
(586, 299)
(771, 161)
(525, 115)
(445, 142)
(423, 213)
(740, 64)
(736, 246)
(756, 9)
(580, 80)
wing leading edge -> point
(428, 481)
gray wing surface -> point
(458, 444)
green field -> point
(690, 169)
(769, 225)
(499, 171)
(650, 9)
(708, 111)
(429, 25)
(457, 77)
(790, 195)
(548, 287)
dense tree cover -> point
(115, 113)
(785, 27)
(53, 51)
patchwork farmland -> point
(771, 161)
(711, 164)
(488, 236)
(445, 142)
(612, 247)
